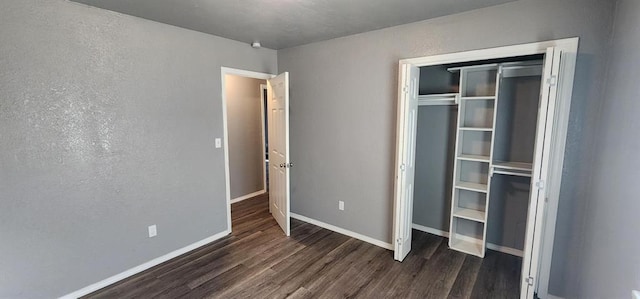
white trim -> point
(492, 53)
(437, 232)
(245, 73)
(263, 101)
(231, 71)
(135, 270)
(505, 249)
(343, 231)
(250, 195)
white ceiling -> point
(281, 24)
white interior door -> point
(541, 158)
(279, 163)
(405, 159)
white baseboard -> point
(504, 249)
(135, 270)
(437, 232)
(343, 231)
(430, 230)
(254, 194)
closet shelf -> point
(472, 186)
(437, 99)
(513, 165)
(471, 246)
(476, 129)
(469, 214)
(475, 158)
(478, 98)
(437, 95)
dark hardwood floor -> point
(258, 261)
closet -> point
(479, 151)
(475, 142)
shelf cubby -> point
(470, 205)
(480, 81)
(478, 113)
(467, 236)
(474, 143)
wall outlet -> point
(341, 205)
(153, 231)
(218, 143)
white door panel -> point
(541, 160)
(408, 114)
(279, 164)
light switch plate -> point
(153, 231)
(218, 143)
(341, 205)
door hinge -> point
(540, 184)
(405, 89)
(402, 167)
(529, 280)
(552, 81)
(399, 241)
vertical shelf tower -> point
(478, 102)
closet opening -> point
(446, 145)
(478, 133)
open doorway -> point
(256, 124)
(246, 136)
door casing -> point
(250, 74)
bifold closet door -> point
(407, 116)
(546, 113)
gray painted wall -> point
(612, 245)
(435, 154)
(108, 125)
(244, 126)
(343, 111)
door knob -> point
(281, 165)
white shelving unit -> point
(473, 165)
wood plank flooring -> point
(258, 261)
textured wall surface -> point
(244, 126)
(344, 94)
(107, 126)
(612, 246)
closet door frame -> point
(563, 85)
